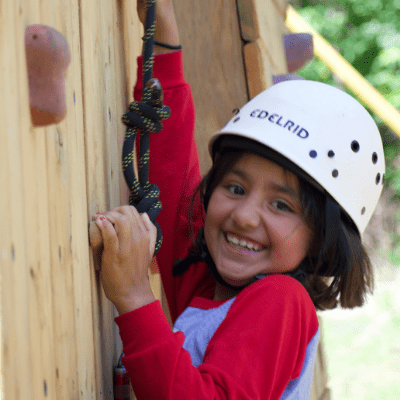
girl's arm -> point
(174, 167)
(174, 164)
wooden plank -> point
(37, 238)
(259, 70)
(37, 234)
(81, 268)
(132, 44)
(15, 333)
(265, 20)
(213, 63)
(44, 250)
(67, 211)
(35, 270)
(56, 161)
(249, 24)
(249, 16)
(58, 176)
(105, 100)
(95, 56)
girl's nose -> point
(246, 215)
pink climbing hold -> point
(299, 50)
(47, 56)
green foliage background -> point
(367, 34)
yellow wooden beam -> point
(347, 73)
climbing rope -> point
(144, 116)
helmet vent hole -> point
(331, 153)
(335, 173)
(378, 178)
(363, 211)
(313, 154)
(355, 146)
(374, 158)
(236, 119)
(235, 111)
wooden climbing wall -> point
(58, 339)
(58, 336)
(231, 51)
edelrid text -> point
(281, 121)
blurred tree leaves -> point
(367, 34)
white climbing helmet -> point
(326, 133)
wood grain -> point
(263, 23)
(258, 67)
(17, 380)
(213, 63)
(58, 338)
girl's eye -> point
(236, 190)
(281, 206)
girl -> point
(296, 176)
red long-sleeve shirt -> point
(260, 344)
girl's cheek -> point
(282, 226)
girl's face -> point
(254, 222)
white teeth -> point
(234, 240)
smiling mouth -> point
(242, 244)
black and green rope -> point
(144, 116)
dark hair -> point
(337, 269)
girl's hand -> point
(162, 6)
(129, 240)
(166, 26)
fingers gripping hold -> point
(108, 233)
(121, 225)
(128, 246)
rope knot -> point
(146, 116)
(148, 202)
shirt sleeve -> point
(174, 168)
(257, 350)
